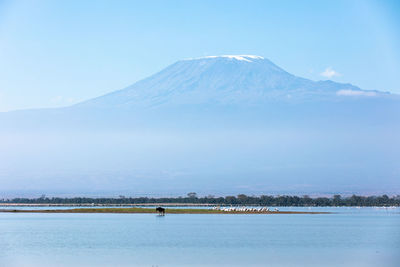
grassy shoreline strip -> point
(147, 210)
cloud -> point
(355, 93)
(329, 73)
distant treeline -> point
(241, 199)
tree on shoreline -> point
(241, 199)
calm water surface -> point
(350, 237)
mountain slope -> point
(223, 80)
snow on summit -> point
(248, 58)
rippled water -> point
(350, 237)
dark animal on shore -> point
(160, 210)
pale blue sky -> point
(54, 53)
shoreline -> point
(150, 211)
(132, 205)
(109, 205)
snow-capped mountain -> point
(224, 80)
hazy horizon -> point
(258, 129)
(136, 98)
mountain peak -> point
(248, 58)
(234, 80)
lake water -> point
(350, 237)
